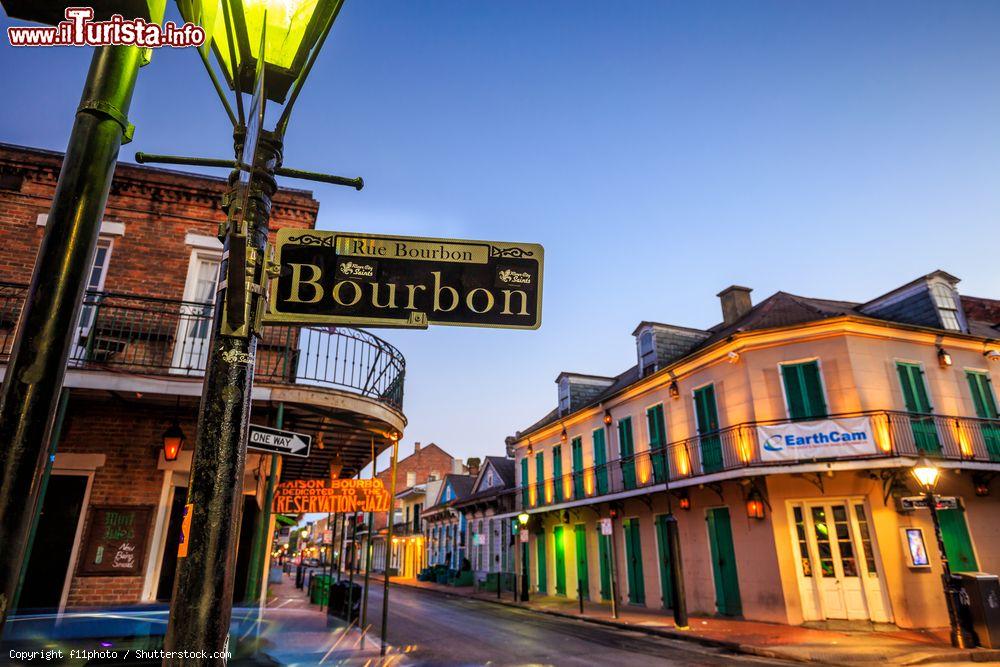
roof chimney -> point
(473, 463)
(416, 448)
(735, 303)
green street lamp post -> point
(263, 47)
(926, 474)
(37, 366)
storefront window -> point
(847, 560)
(823, 541)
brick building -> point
(136, 366)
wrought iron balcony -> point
(151, 336)
(739, 447)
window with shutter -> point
(804, 390)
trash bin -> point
(300, 575)
(339, 593)
(979, 606)
(320, 590)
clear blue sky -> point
(659, 150)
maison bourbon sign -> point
(331, 496)
(394, 281)
(115, 541)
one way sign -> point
(272, 440)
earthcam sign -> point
(395, 281)
(823, 439)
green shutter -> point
(804, 390)
(666, 588)
(957, 543)
(559, 541)
(727, 588)
(657, 442)
(626, 451)
(543, 568)
(582, 569)
(540, 478)
(577, 446)
(708, 429)
(633, 562)
(911, 380)
(986, 408)
(604, 553)
(557, 473)
(600, 461)
(525, 496)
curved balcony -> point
(147, 335)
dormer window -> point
(647, 353)
(947, 305)
(564, 397)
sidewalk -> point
(770, 640)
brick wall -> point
(157, 206)
(126, 431)
(422, 462)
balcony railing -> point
(153, 336)
(895, 434)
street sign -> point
(331, 496)
(605, 526)
(399, 281)
(274, 441)
(524, 534)
(909, 503)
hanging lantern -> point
(173, 441)
(755, 505)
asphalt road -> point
(427, 628)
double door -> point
(839, 574)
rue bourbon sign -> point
(394, 281)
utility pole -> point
(201, 606)
(37, 366)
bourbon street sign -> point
(396, 281)
(331, 496)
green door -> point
(957, 543)
(663, 550)
(604, 554)
(986, 408)
(727, 587)
(539, 479)
(557, 480)
(804, 390)
(582, 572)
(600, 461)
(560, 544)
(541, 565)
(925, 435)
(657, 442)
(633, 562)
(525, 495)
(708, 429)
(626, 452)
(577, 446)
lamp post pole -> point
(958, 638)
(202, 601)
(34, 375)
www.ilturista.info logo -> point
(79, 29)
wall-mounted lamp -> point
(675, 391)
(755, 505)
(733, 357)
(531, 450)
(982, 489)
(607, 417)
(944, 359)
(173, 441)
(992, 355)
(684, 502)
(563, 436)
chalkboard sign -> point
(115, 542)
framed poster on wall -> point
(914, 547)
(114, 544)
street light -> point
(522, 519)
(264, 48)
(926, 474)
(173, 441)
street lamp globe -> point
(926, 474)
(522, 518)
(292, 28)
